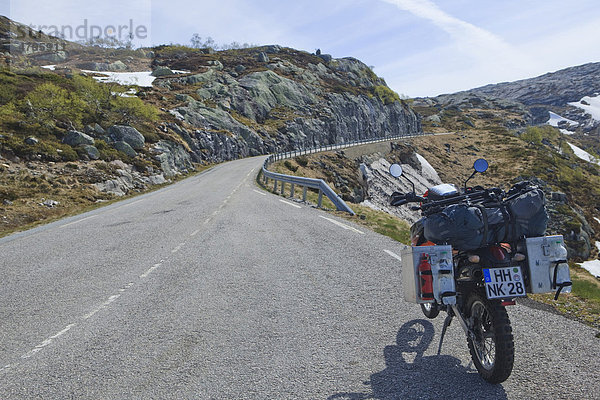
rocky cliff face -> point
(245, 103)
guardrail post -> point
(282, 187)
(292, 191)
(304, 194)
(320, 202)
(275, 185)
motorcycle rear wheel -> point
(492, 349)
(430, 310)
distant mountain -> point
(553, 89)
(567, 99)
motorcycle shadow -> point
(409, 374)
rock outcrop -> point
(291, 104)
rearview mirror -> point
(480, 165)
(396, 170)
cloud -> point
(461, 30)
(472, 54)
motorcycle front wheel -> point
(430, 310)
(492, 347)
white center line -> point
(176, 249)
(47, 341)
(78, 221)
(145, 274)
(102, 306)
(261, 193)
(333, 221)
(396, 256)
(290, 204)
(197, 231)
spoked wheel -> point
(430, 310)
(492, 347)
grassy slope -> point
(38, 103)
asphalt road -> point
(213, 289)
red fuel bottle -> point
(425, 278)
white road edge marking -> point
(78, 221)
(290, 204)
(196, 231)
(261, 193)
(333, 221)
(127, 205)
(396, 256)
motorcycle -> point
(474, 252)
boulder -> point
(93, 66)
(94, 130)
(201, 78)
(31, 141)
(92, 152)
(54, 57)
(559, 197)
(49, 203)
(117, 66)
(272, 49)
(127, 134)
(125, 148)
(76, 138)
(162, 71)
(215, 64)
(263, 57)
(184, 97)
(173, 158)
(326, 57)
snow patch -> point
(584, 155)
(593, 267)
(50, 67)
(597, 220)
(598, 245)
(142, 79)
(555, 119)
(592, 107)
(428, 171)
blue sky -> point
(421, 47)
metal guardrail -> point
(310, 182)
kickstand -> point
(447, 322)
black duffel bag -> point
(472, 227)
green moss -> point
(372, 76)
(535, 134)
(385, 94)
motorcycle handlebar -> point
(477, 195)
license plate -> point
(504, 282)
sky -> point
(420, 47)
